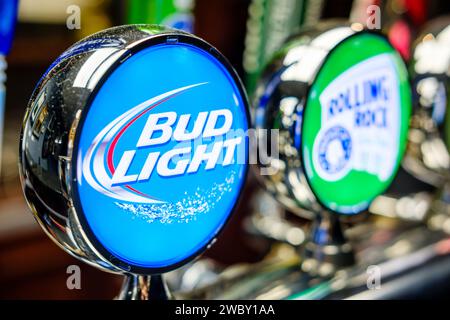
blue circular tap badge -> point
(161, 156)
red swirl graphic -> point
(112, 146)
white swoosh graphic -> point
(99, 178)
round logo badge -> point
(161, 155)
(334, 152)
(355, 123)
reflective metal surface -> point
(427, 155)
(407, 257)
(328, 250)
(279, 102)
(269, 220)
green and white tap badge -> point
(355, 123)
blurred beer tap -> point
(316, 158)
(427, 155)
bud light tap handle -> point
(134, 151)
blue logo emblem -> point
(335, 149)
(162, 155)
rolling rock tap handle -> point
(339, 98)
(134, 151)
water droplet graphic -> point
(183, 211)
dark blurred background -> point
(31, 266)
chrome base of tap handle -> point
(136, 287)
(327, 249)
